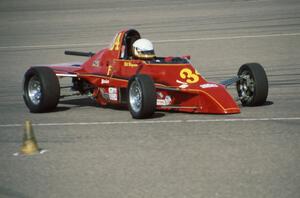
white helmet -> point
(143, 49)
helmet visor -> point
(144, 54)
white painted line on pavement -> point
(154, 122)
(53, 46)
(157, 41)
(227, 38)
(244, 119)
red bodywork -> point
(178, 85)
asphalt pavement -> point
(102, 152)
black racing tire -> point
(253, 86)
(41, 89)
(141, 96)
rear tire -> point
(141, 96)
(41, 89)
(253, 87)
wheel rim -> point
(246, 86)
(135, 96)
(34, 90)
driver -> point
(143, 49)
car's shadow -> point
(84, 102)
(267, 103)
(79, 102)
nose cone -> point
(217, 100)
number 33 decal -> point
(189, 75)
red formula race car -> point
(114, 76)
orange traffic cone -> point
(29, 142)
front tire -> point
(141, 96)
(41, 89)
(253, 86)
